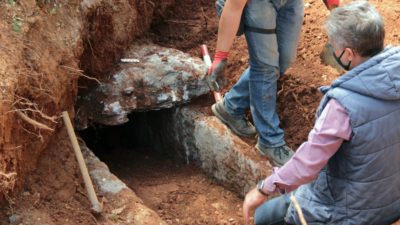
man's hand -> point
(252, 200)
(331, 4)
(216, 77)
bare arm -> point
(229, 23)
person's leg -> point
(232, 109)
(264, 71)
(288, 27)
(262, 14)
(273, 211)
(237, 99)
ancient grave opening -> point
(144, 130)
(142, 154)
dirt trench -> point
(43, 60)
(46, 47)
(158, 173)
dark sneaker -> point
(279, 155)
(240, 126)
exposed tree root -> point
(33, 122)
(79, 73)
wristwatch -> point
(260, 186)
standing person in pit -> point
(352, 156)
(272, 30)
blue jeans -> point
(273, 211)
(270, 56)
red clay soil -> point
(54, 193)
(33, 81)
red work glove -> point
(216, 78)
(331, 4)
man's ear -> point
(350, 54)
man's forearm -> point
(229, 23)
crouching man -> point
(348, 171)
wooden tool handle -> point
(96, 206)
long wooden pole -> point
(96, 206)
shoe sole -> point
(216, 113)
(266, 155)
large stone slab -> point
(226, 157)
(156, 78)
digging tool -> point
(207, 61)
(96, 206)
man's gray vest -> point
(361, 182)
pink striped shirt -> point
(329, 132)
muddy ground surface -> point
(181, 194)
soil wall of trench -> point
(45, 48)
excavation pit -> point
(40, 67)
(162, 164)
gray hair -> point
(358, 26)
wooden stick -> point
(96, 206)
(298, 209)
